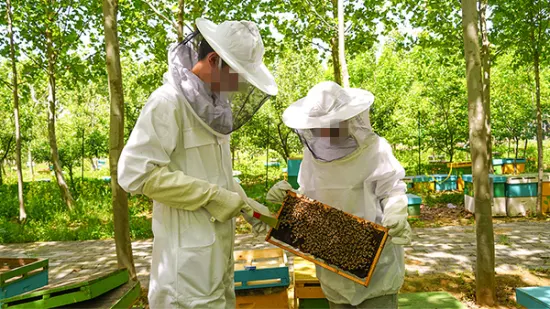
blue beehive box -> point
(445, 182)
(257, 269)
(534, 297)
(521, 187)
(22, 275)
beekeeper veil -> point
(332, 122)
(242, 83)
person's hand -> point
(227, 205)
(258, 227)
(399, 230)
(278, 192)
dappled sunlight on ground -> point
(437, 259)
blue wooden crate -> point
(534, 297)
(445, 182)
(277, 277)
(521, 187)
(21, 276)
(256, 269)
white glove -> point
(395, 219)
(400, 231)
(258, 227)
(278, 192)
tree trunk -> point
(539, 131)
(525, 149)
(31, 167)
(516, 156)
(116, 138)
(15, 88)
(485, 257)
(82, 155)
(65, 193)
(341, 45)
(336, 61)
(181, 6)
(486, 60)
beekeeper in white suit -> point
(178, 155)
(346, 165)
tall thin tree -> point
(15, 89)
(485, 258)
(486, 60)
(181, 7)
(116, 138)
(341, 44)
(52, 100)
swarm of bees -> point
(328, 234)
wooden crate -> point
(265, 268)
(69, 292)
(306, 285)
(364, 281)
(271, 298)
(21, 275)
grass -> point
(48, 218)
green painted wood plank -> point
(429, 300)
(80, 289)
(313, 303)
(121, 297)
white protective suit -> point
(366, 183)
(179, 161)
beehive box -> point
(262, 278)
(307, 288)
(260, 269)
(20, 275)
(340, 242)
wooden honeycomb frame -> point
(364, 281)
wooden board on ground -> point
(69, 292)
(122, 297)
(429, 300)
(282, 237)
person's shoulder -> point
(163, 98)
(165, 93)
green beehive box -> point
(497, 166)
(293, 170)
(499, 186)
(468, 185)
(414, 202)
